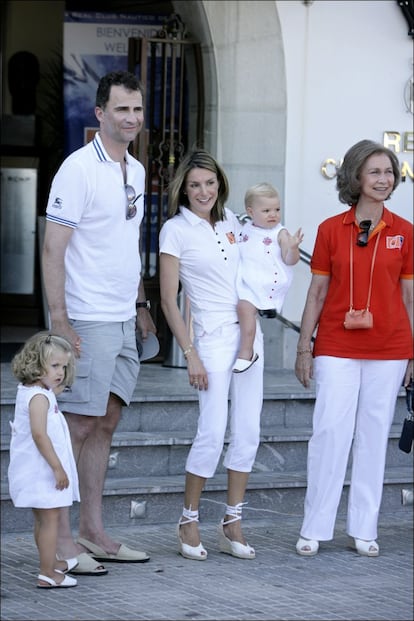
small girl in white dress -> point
(268, 251)
(42, 471)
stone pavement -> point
(278, 585)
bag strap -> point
(351, 269)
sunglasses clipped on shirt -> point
(362, 237)
(131, 210)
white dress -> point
(31, 479)
(263, 277)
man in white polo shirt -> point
(96, 299)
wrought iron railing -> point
(305, 257)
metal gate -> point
(170, 69)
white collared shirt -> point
(102, 261)
(209, 259)
(264, 278)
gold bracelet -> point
(303, 351)
(187, 351)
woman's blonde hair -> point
(30, 363)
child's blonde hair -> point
(30, 363)
(260, 189)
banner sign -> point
(95, 44)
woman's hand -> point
(408, 373)
(197, 375)
(304, 367)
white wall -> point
(251, 102)
(347, 65)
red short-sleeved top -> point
(391, 336)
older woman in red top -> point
(362, 265)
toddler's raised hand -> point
(296, 239)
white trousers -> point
(218, 351)
(355, 405)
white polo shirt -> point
(103, 262)
(264, 278)
(209, 259)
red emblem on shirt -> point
(231, 238)
(395, 242)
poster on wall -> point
(94, 44)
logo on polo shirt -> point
(231, 238)
(57, 203)
(395, 242)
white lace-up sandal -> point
(195, 553)
(235, 548)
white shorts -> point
(108, 363)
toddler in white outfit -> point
(268, 252)
(42, 471)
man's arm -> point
(55, 244)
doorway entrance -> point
(171, 71)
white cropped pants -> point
(355, 405)
(218, 351)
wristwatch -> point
(146, 305)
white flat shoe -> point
(51, 584)
(242, 365)
(366, 548)
(307, 547)
(70, 562)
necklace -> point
(374, 221)
(375, 218)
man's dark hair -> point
(116, 78)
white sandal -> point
(195, 553)
(67, 582)
(235, 548)
(307, 547)
(366, 548)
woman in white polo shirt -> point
(199, 249)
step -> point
(138, 454)
(163, 400)
(149, 500)
(145, 478)
(177, 414)
(274, 483)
